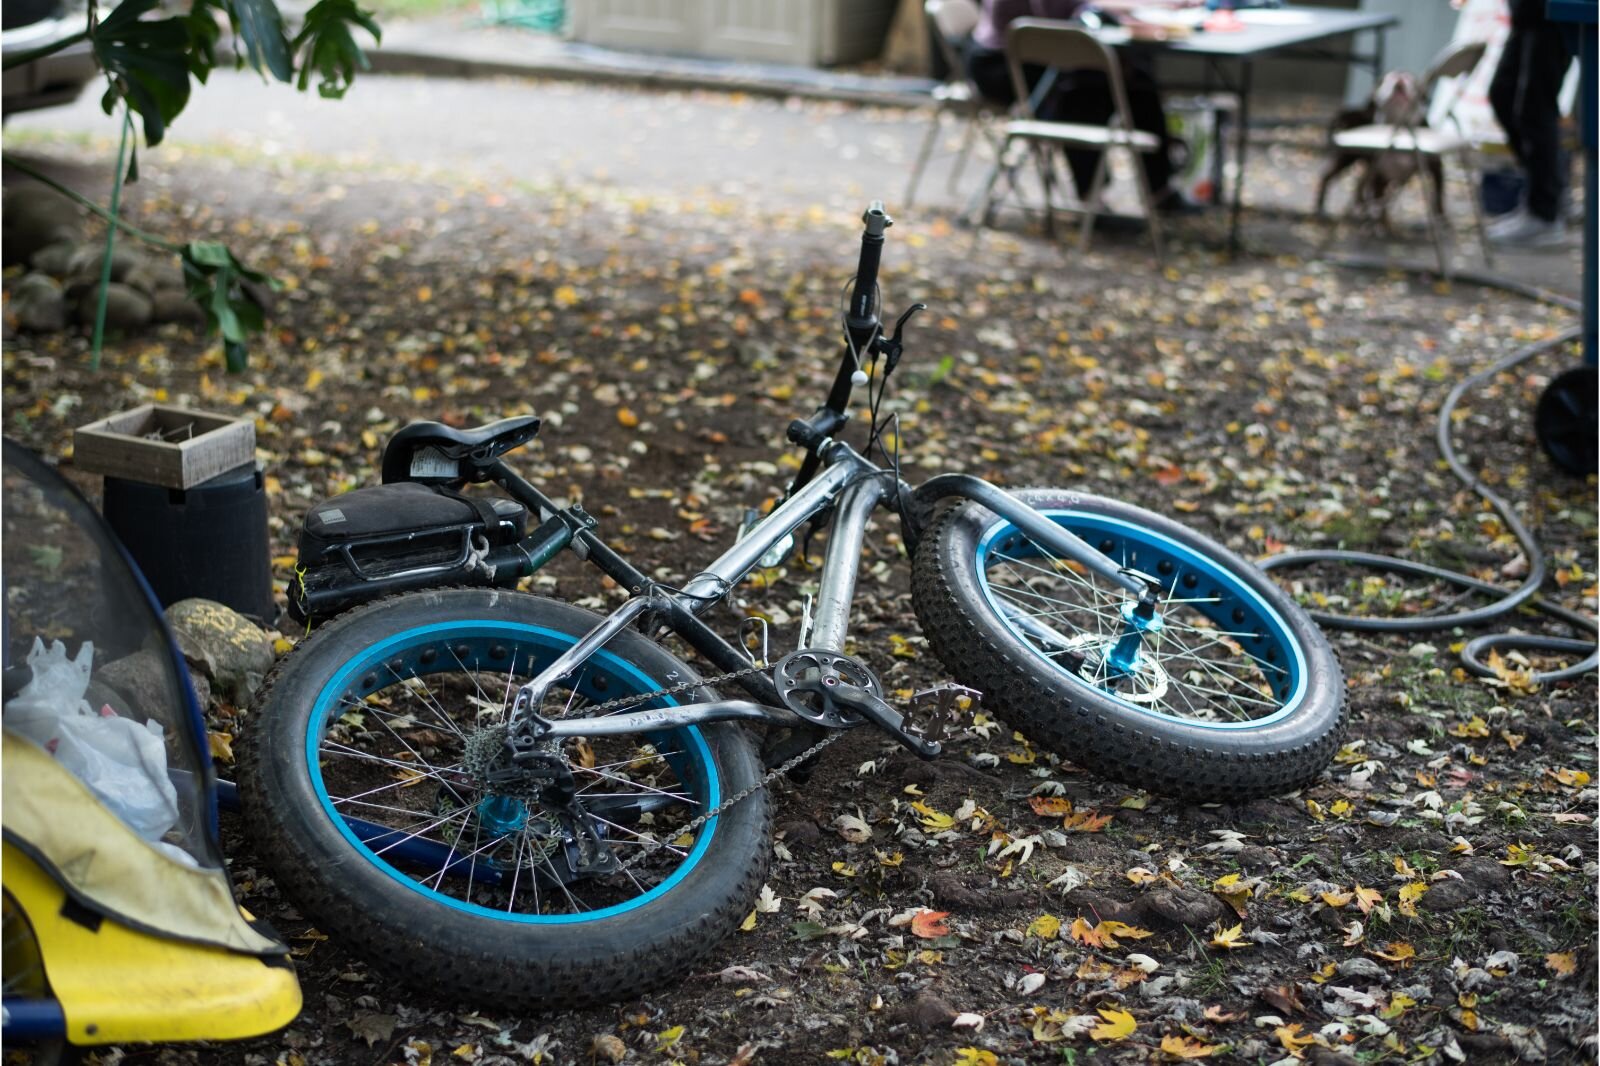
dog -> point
(1396, 97)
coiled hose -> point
(1527, 594)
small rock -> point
(1172, 907)
(168, 274)
(125, 308)
(1447, 895)
(55, 259)
(143, 278)
(926, 1012)
(39, 303)
(223, 645)
(174, 305)
(35, 218)
(1361, 967)
(87, 262)
(1486, 875)
(139, 684)
(802, 832)
(609, 1048)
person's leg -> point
(1082, 97)
(1539, 117)
(1144, 100)
(989, 72)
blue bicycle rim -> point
(1210, 588)
(356, 679)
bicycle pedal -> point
(946, 696)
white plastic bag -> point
(123, 763)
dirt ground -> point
(1430, 899)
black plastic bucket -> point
(208, 541)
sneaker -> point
(1531, 231)
(1512, 217)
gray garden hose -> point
(1527, 594)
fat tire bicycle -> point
(513, 801)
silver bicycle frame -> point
(857, 487)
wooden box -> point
(161, 445)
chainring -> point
(804, 678)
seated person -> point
(1080, 96)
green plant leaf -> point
(230, 294)
(147, 62)
(329, 46)
(260, 29)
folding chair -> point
(951, 22)
(1423, 142)
(1064, 48)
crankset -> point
(837, 692)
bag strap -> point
(483, 505)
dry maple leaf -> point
(929, 924)
(1185, 1047)
(1050, 806)
(1231, 938)
(1398, 951)
(1563, 963)
(1119, 1025)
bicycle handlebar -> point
(861, 328)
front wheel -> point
(375, 783)
(1226, 691)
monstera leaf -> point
(147, 62)
(330, 47)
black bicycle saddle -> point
(434, 452)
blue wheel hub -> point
(501, 815)
(1137, 625)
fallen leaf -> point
(929, 924)
(1562, 963)
(1186, 1047)
(1119, 1025)
(1050, 806)
(1045, 927)
(1398, 951)
(1231, 938)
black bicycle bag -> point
(391, 538)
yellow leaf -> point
(313, 379)
(1399, 951)
(1409, 894)
(1122, 929)
(1118, 1025)
(1563, 963)
(565, 296)
(1367, 898)
(1231, 938)
(466, 1051)
(1236, 895)
(1184, 1047)
(626, 418)
(1140, 876)
(1050, 806)
(1289, 1036)
(1045, 927)
(1472, 727)
(1570, 778)
(1337, 899)
(667, 1038)
(933, 819)
(748, 924)
(1086, 822)
(971, 1056)
(221, 746)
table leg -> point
(1241, 141)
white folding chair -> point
(951, 22)
(1066, 48)
(1423, 142)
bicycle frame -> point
(855, 487)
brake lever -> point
(894, 346)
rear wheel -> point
(371, 781)
(1226, 691)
